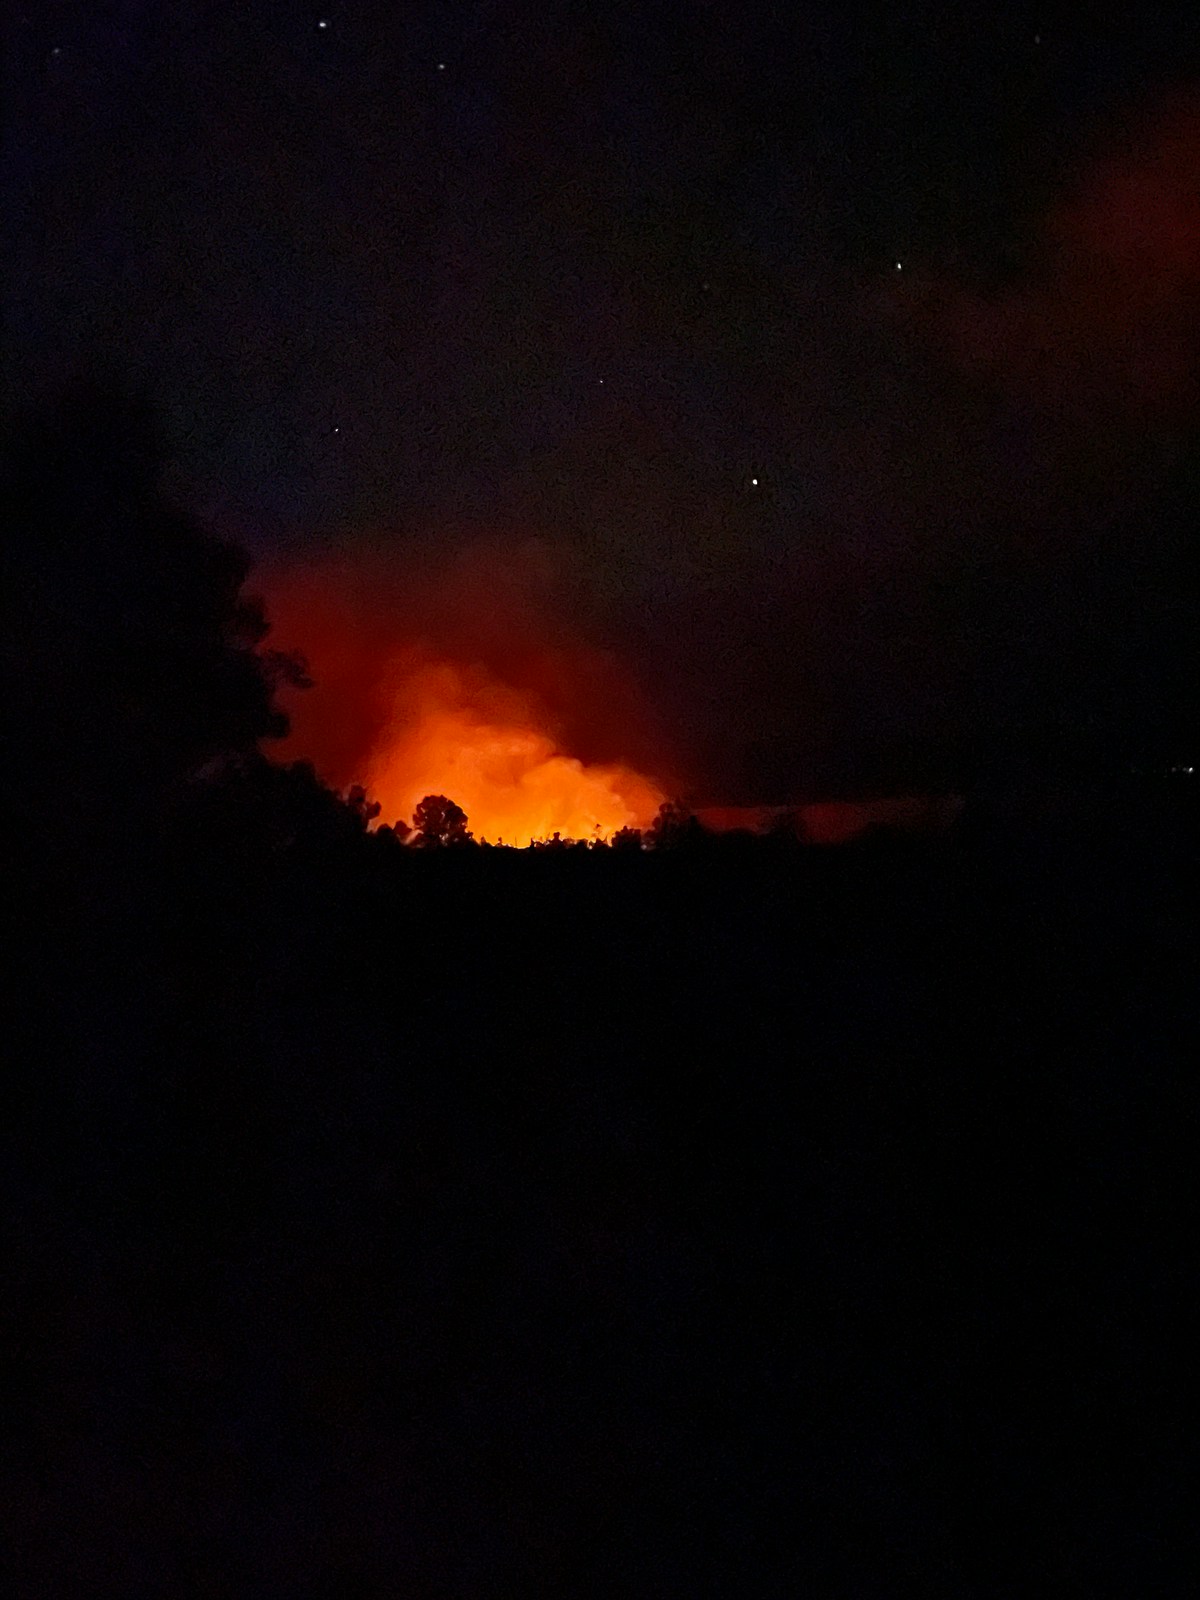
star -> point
(754, 483)
(322, 23)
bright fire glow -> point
(458, 732)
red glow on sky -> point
(465, 678)
(456, 731)
(1106, 315)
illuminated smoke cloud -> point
(456, 731)
(463, 678)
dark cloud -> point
(1103, 325)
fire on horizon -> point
(466, 680)
(454, 731)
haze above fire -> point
(462, 679)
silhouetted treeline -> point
(134, 653)
(723, 1217)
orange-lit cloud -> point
(463, 677)
(454, 730)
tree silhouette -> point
(629, 839)
(674, 827)
(138, 655)
(360, 803)
(438, 821)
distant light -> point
(899, 266)
(441, 66)
(754, 483)
(322, 23)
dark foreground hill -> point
(763, 1222)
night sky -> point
(837, 363)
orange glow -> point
(459, 732)
(466, 673)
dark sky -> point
(841, 358)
